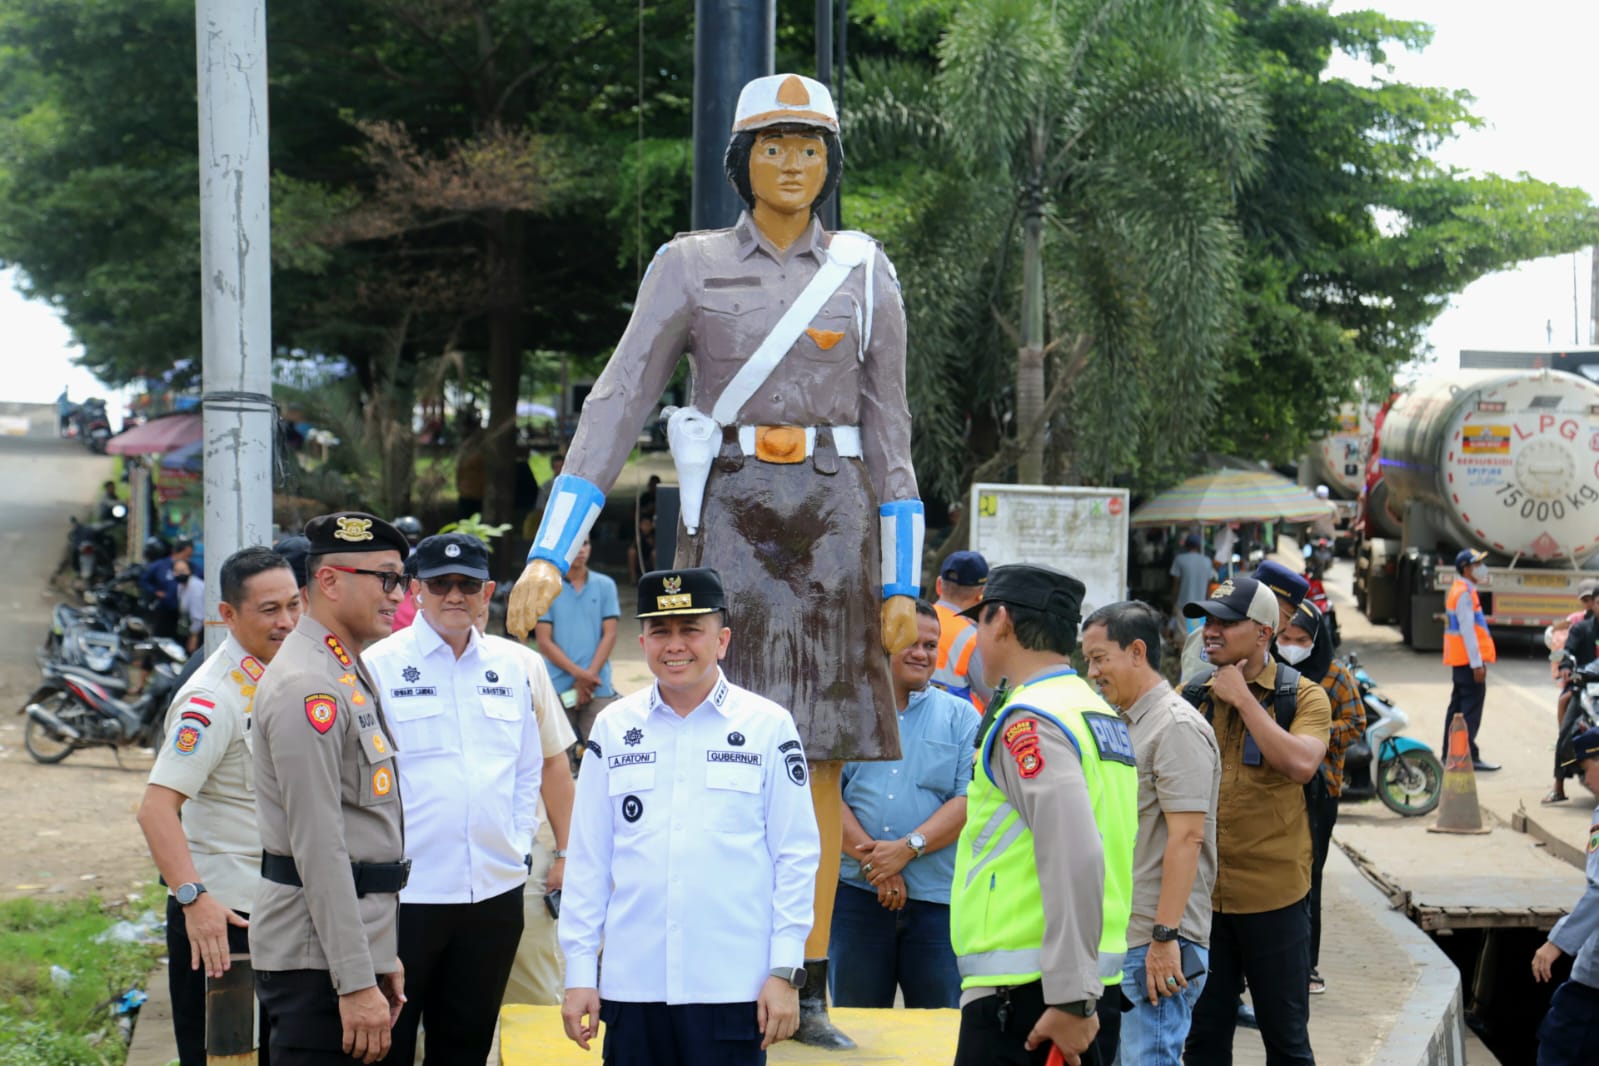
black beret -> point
(695, 590)
(353, 531)
(1037, 587)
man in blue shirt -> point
(576, 638)
(1568, 1035)
(891, 914)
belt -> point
(846, 441)
(370, 877)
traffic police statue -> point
(323, 935)
(794, 460)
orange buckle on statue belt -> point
(780, 444)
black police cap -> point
(294, 549)
(695, 590)
(452, 553)
(353, 531)
(1035, 587)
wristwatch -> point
(188, 892)
(794, 975)
(917, 843)
(1083, 1008)
(1163, 933)
(558, 853)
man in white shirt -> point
(211, 856)
(470, 766)
(694, 854)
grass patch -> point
(46, 1022)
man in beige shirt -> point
(1174, 859)
(211, 858)
(1260, 929)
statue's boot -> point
(815, 1028)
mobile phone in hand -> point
(552, 903)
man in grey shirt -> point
(1174, 858)
(1190, 572)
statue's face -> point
(788, 170)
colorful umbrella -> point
(1231, 496)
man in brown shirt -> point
(1260, 930)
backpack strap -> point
(1285, 699)
(1197, 693)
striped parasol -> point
(1231, 496)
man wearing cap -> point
(1044, 865)
(323, 935)
(1260, 924)
(959, 669)
(198, 811)
(461, 710)
(794, 459)
(1468, 649)
(1583, 639)
(1289, 588)
(693, 854)
(1568, 1035)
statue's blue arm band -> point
(903, 526)
(573, 506)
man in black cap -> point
(461, 707)
(1044, 866)
(1260, 924)
(1468, 651)
(323, 933)
(693, 853)
(1289, 588)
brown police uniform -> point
(328, 807)
(796, 543)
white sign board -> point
(1081, 531)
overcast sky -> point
(1525, 63)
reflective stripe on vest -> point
(957, 639)
(1455, 653)
(996, 904)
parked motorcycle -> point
(1317, 595)
(1409, 779)
(77, 708)
(92, 547)
(1582, 711)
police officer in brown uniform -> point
(323, 934)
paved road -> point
(64, 829)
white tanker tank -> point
(1338, 460)
(1502, 461)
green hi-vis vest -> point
(996, 907)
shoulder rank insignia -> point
(337, 649)
(321, 710)
(253, 667)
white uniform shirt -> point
(205, 756)
(469, 759)
(693, 851)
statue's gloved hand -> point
(899, 623)
(532, 595)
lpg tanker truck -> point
(1502, 461)
(1338, 461)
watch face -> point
(187, 893)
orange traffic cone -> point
(1458, 810)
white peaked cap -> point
(785, 99)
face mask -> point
(1479, 574)
(1293, 654)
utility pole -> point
(1593, 297)
(735, 41)
(829, 212)
(236, 284)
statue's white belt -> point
(846, 440)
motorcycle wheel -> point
(1411, 783)
(44, 746)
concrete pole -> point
(236, 285)
(1593, 297)
(734, 42)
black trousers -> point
(1568, 726)
(304, 1013)
(1466, 697)
(1569, 1033)
(687, 1034)
(187, 988)
(994, 1030)
(1323, 817)
(457, 958)
(1272, 951)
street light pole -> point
(235, 284)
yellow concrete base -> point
(532, 1036)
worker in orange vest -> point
(959, 671)
(1468, 649)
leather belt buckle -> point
(780, 444)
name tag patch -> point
(494, 690)
(1111, 738)
(414, 690)
(747, 758)
(632, 758)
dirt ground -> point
(67, 829)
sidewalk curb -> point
(1432, 1027)
(1523, 822)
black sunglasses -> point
(441, 586)
(391, 579)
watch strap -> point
(1083, 1008)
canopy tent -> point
(165, 434)
(1231, 496)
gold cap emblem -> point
(354, 530)
(672, 584)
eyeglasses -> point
(441, 586)
(391, 579)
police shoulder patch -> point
(1593, 839)
(187, 739)
(321, 710)
(795, 763)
